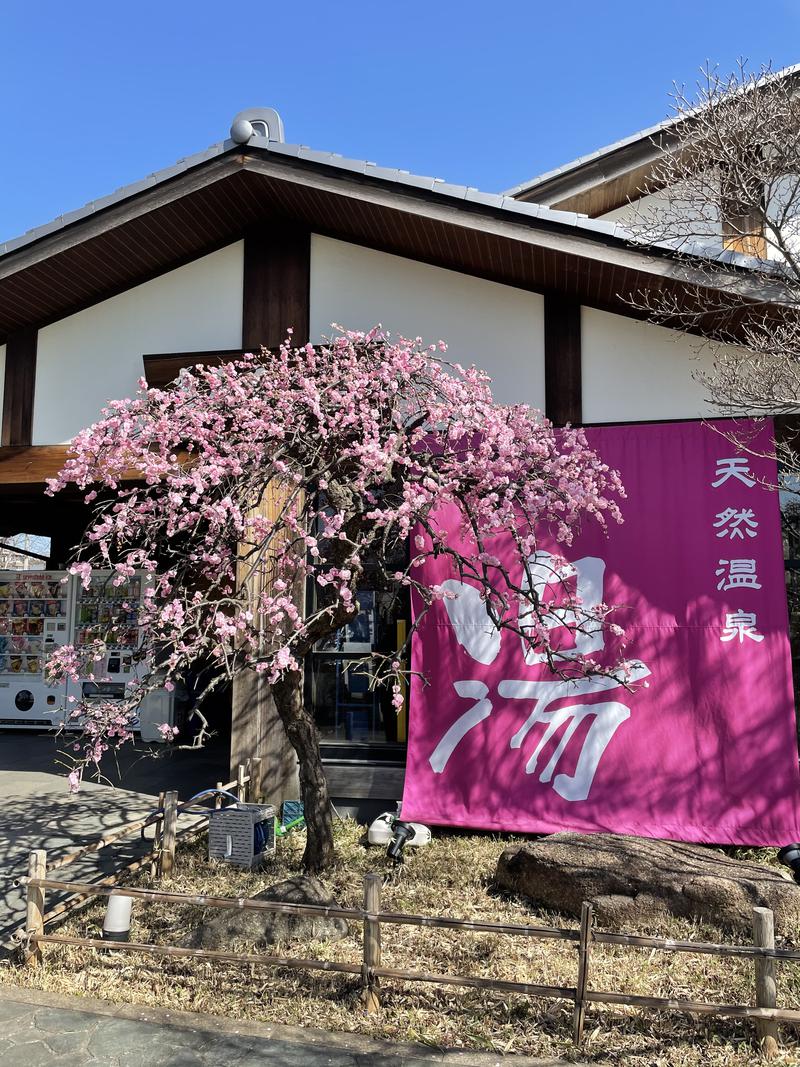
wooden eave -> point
(601, 185)
(221, 199)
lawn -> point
(451, 877)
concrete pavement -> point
(50, 1030)
(37, 811)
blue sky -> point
(96, 95)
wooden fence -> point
(161, 858)
(765, 1014)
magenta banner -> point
(704, 748)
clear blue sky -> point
(96, 95)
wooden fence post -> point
(218, 798)
(169, 832)
(766, 984)
(256, 791)
(34, 921)
(579, 1015)
(158, 829)
(372, 942)
(241, 784)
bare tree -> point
(724, 198)
(23, 552)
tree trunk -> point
(302, 733)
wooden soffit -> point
(224, 198)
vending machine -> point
(35, 618)
(42, 610)
(111, 612)
(103, 609)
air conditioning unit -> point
(243, 834)
(157, 707)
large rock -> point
(633, 880)
(222, 929)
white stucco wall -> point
(670, 216)
(783, 210)
(634, 371)
(497, 327)
(96, 355)
(654, 202)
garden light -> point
(117, 923)
(790, 856)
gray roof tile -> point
(624, 142)
(468, 194)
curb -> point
(203, 1022)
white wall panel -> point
(682, 217)
(497, 327)
(635, 371)
(96, 355)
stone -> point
(32, 1054)
(67, 1042)
(224, 929)
(636, 880)
(61, 1021)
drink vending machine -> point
(41, 610)
(36, 609)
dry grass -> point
(452, 877)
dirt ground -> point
(453, 876)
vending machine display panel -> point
(35, 619)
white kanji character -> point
(741, 624)
(733, 467)
(738, 523)
(588, 630)
(740, 573)
(480, 638)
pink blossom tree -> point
(309, 465)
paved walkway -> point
(48, 1030)
(37, 811)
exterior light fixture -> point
(790, 856)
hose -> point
(202, 795)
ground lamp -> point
(790, 856)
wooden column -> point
(562, 360)
(277, 273)
(20, 384)
(277, 270)
(169, 833)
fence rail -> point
(247, 784)
(763, 952)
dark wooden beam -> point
(20, 385)
(277, 277)
(277, 273)
(164, 367)
(562, 360)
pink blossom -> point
(302, 467)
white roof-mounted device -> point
(259, 124)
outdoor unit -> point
(157, 707)
(242, 834)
